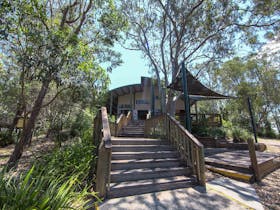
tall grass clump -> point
(57, 181)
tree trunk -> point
(19, 112)
(27, 131)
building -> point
(143, 99)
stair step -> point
(144, 155)
(246, 177)
(226, 165)
(133, 132)
(133, 129)
(150, 185)
(146, 163)
(131, 135)
(147, 173)
(140, 148)
(140, 142)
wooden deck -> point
(237, 164)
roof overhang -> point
(124, 90)
(196, 90)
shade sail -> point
(196, 90)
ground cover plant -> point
(57, 181)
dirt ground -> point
(269, 188)
(38, 147)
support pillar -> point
(111, 103)
(152, 99)
(131, 99)
(186, 97)
(196, 112)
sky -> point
(130, 71)
(134, 66)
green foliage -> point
(40, 192)
(58, 181)
(83, 125)
(214, 132)
(257, 79)
(240, 135)
(6, 139)
(267, 131)
(68, 161)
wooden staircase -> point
(134, 165)
(142, 165)
(134, 128)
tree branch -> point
(55, 96)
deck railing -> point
(190, 149)
(102, 140)
(214, 120)
(155, 127)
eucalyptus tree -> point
(194, 31)
(61, 43)
(254, 78)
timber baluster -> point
(122, 121)
(189, 148)
(188, 152)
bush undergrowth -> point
(57, 181)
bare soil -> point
(269, 188)
(38, 147)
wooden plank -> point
(201, 159)
(104, 156)
(190, 149)
(185, 131)
(106, 129)
(253, 158)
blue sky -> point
(130, 72)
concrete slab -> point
(241, 192)
(222, 193)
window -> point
(142, 101)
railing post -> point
(253, 157)
(104, 156)
(201, 171)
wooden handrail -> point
(190, 149)
(154, 127)
(185, 131)
(104, 143)
(122, 121)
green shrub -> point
(83, 125)
(68, 161)
(33, 191)
(57, 181)
(214, 132)
(5, 139)
(240, 135)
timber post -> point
(104, 156)
(252, 119)
(186, 98)
(253, 158)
